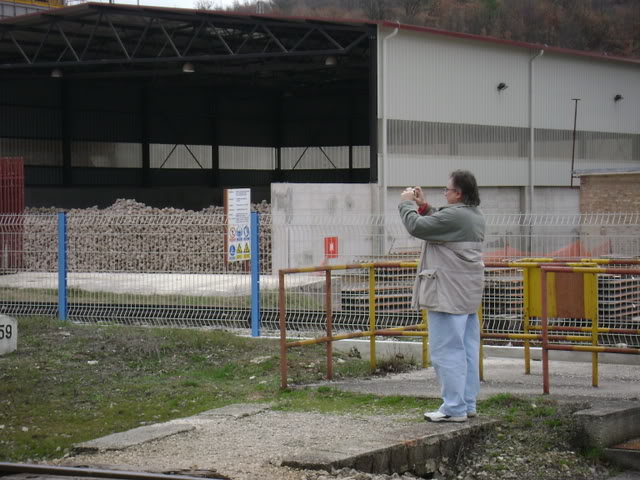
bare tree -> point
(206, 5)
(375, 9)
(283, 6)
(412, 8)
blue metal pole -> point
(62, 266)
(255, 274)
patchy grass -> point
(330, 400)
(70, 383)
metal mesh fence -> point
(169, 269)
(27, 286)
(363, 238)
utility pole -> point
(573, 148)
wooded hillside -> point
(606, 26)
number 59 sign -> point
(8, 334)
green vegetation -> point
(69, 383)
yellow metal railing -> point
(411, 330)
(543, 280)
(590, 292)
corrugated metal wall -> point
(11, 203)
(13, 9)
(445, 112)
(106, 122)
(11, 185)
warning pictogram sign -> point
(237, 208)
(331, 247)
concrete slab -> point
(624, 458)
(607, 425)
(255, 436)
(406, 449)
(130, 438)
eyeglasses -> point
(447, 190)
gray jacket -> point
(451, 272)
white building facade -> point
(448, 101)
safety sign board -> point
(238, 210)
(330, 247)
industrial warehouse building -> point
(170, 106)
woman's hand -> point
(408, 194)
(419, 196)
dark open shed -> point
(171, 106)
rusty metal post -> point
(590, 286)
(282, 307)
(481, 352)
(526, 284)
(329, 312)
(545, 331)
(372, 317)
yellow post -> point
(526, 283)
(481, 320)
(425, 340)
(591, 312)
(372, 317)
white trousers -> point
(454, 346)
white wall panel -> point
(445, 111)
(247, 158)
(560, 78)
(305, 158)
(434, 170)
(503, 200)
(437, 79)
(180, 156)
(444, 79)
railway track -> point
(24, 471)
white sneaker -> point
(472, 414)
(441, 417)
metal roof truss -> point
(101, 37)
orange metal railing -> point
(582, 303)
(545, 296)
(411, 330)
(591, 310)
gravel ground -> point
(252, 447)
(247, 448)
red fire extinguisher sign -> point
(331, 247)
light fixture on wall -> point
(331, 61)
(502, 86)
(188, 67)
(56, 73)
(618, 97)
